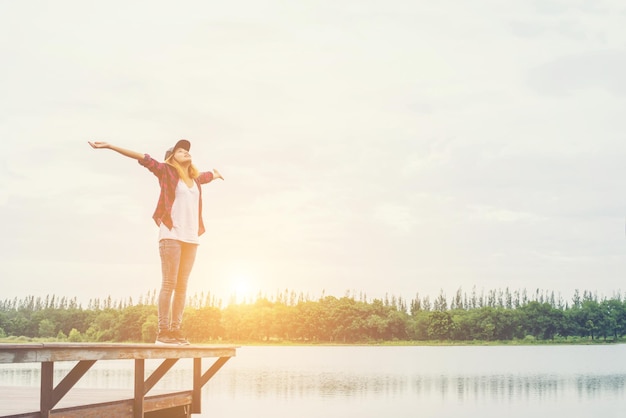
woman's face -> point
(182, 156)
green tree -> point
(396, 325)
(308, 321)
(130, 323)
(103, 325)
(283, 326)
(592, 317)
(150, 328)
(440, 326)
(47, 328)
(233, 323)
(541, 320)
(74, 336)
(612, 318)
(203, 324)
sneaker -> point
(166, 338)
(178, 336)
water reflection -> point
(499, 388)
(454, 380)
(517, 387)
(289, 384)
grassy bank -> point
(528, 341)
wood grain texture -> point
(23, 402)
(33, 353)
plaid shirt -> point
(168, 179)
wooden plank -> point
(24, 415)
(124, 408)
(120, 409)
(169, 400)
(18, 356)
(29, 353)
(22, 402)
(19, 353)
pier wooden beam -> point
(46, 388)
(142, 387)
(199, 380)
(50, 395)
(37, 353)
(158, 374)
(140, 366)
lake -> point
(372, 381)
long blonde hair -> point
(192, 171)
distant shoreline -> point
(476, 343)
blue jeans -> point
(177, 259)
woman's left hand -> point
(217, 175)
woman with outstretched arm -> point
(179, 217)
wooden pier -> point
(61, 401)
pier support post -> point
(47, 385)
(140, 370)
(200, 380)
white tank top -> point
(185, 215)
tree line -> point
(496, 315)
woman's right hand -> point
(125, 152)
(98, 144)
(217, 175)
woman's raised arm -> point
(125, 152)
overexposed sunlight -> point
(241, 283)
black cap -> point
(183, 143)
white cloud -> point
(493, 214)
(398, 217)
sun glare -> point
(241, 283)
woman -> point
(179, 217)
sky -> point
(368, 147)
